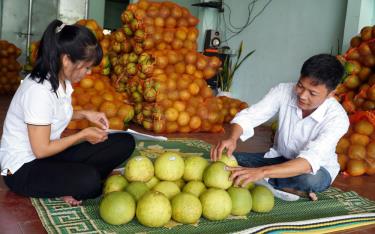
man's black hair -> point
(323, 69)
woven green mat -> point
(58, 217)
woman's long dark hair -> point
(75, 41)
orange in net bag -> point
(356, 149)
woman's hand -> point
(228, 144)
(94, 135)
(97, 118)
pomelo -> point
(263, 199)
(152, 182)
(169, 166)
(154, 209)
(195, 187)
(215, 176)
(137, 189)
(180, 183)
(216, 204)
(117, 208)
(114, 183)
(194, 168)
(250, 186)
(168, 188)
(241, 200)
(229, 161)
(186, 208)
(139, 168)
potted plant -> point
(226, 74)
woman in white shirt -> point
(34, 160)
(311, 122)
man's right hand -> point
(228, 144)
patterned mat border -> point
(322, 225)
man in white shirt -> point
(310, 123)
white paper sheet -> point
(138, 135)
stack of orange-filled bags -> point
(356, 150)
(9, 67)
(357, 92)
(154, 60)
(95, 92)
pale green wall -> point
(96, 11)
(284, 36)
(359, 13)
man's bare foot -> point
(71, 201)
(313, 196)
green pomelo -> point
(195, 187)
(169, 166)
(241, 200)
(137, 189)
(215, 176)
(180, 183)
(186, 208)
(194, 168)
(168, 188)
(117, 208)
(216, 204)
(250, 186)
(114, 183)
(229, 161)
(152, 182)
(139, 168)
(154, 209)
(263, 199)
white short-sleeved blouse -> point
(37, 104)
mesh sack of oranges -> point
(95, 92)
(357, 92)
(154, 60)
(9, 67)
(231, 107)
(356, 149)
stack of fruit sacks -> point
(95, 92)
(356, 149)
(179, 188)
(231, 107)
(9, 67)
(357, 92)
(154, 60)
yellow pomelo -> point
(117, 208)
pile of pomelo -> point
(182, 189)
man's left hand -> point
(241, 176)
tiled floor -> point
(17, 215)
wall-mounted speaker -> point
(212, 39)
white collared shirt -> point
(313, 138)
(37, 104)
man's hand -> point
(241, 176)
(97, 118)
(228, 144)
(94, 135)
